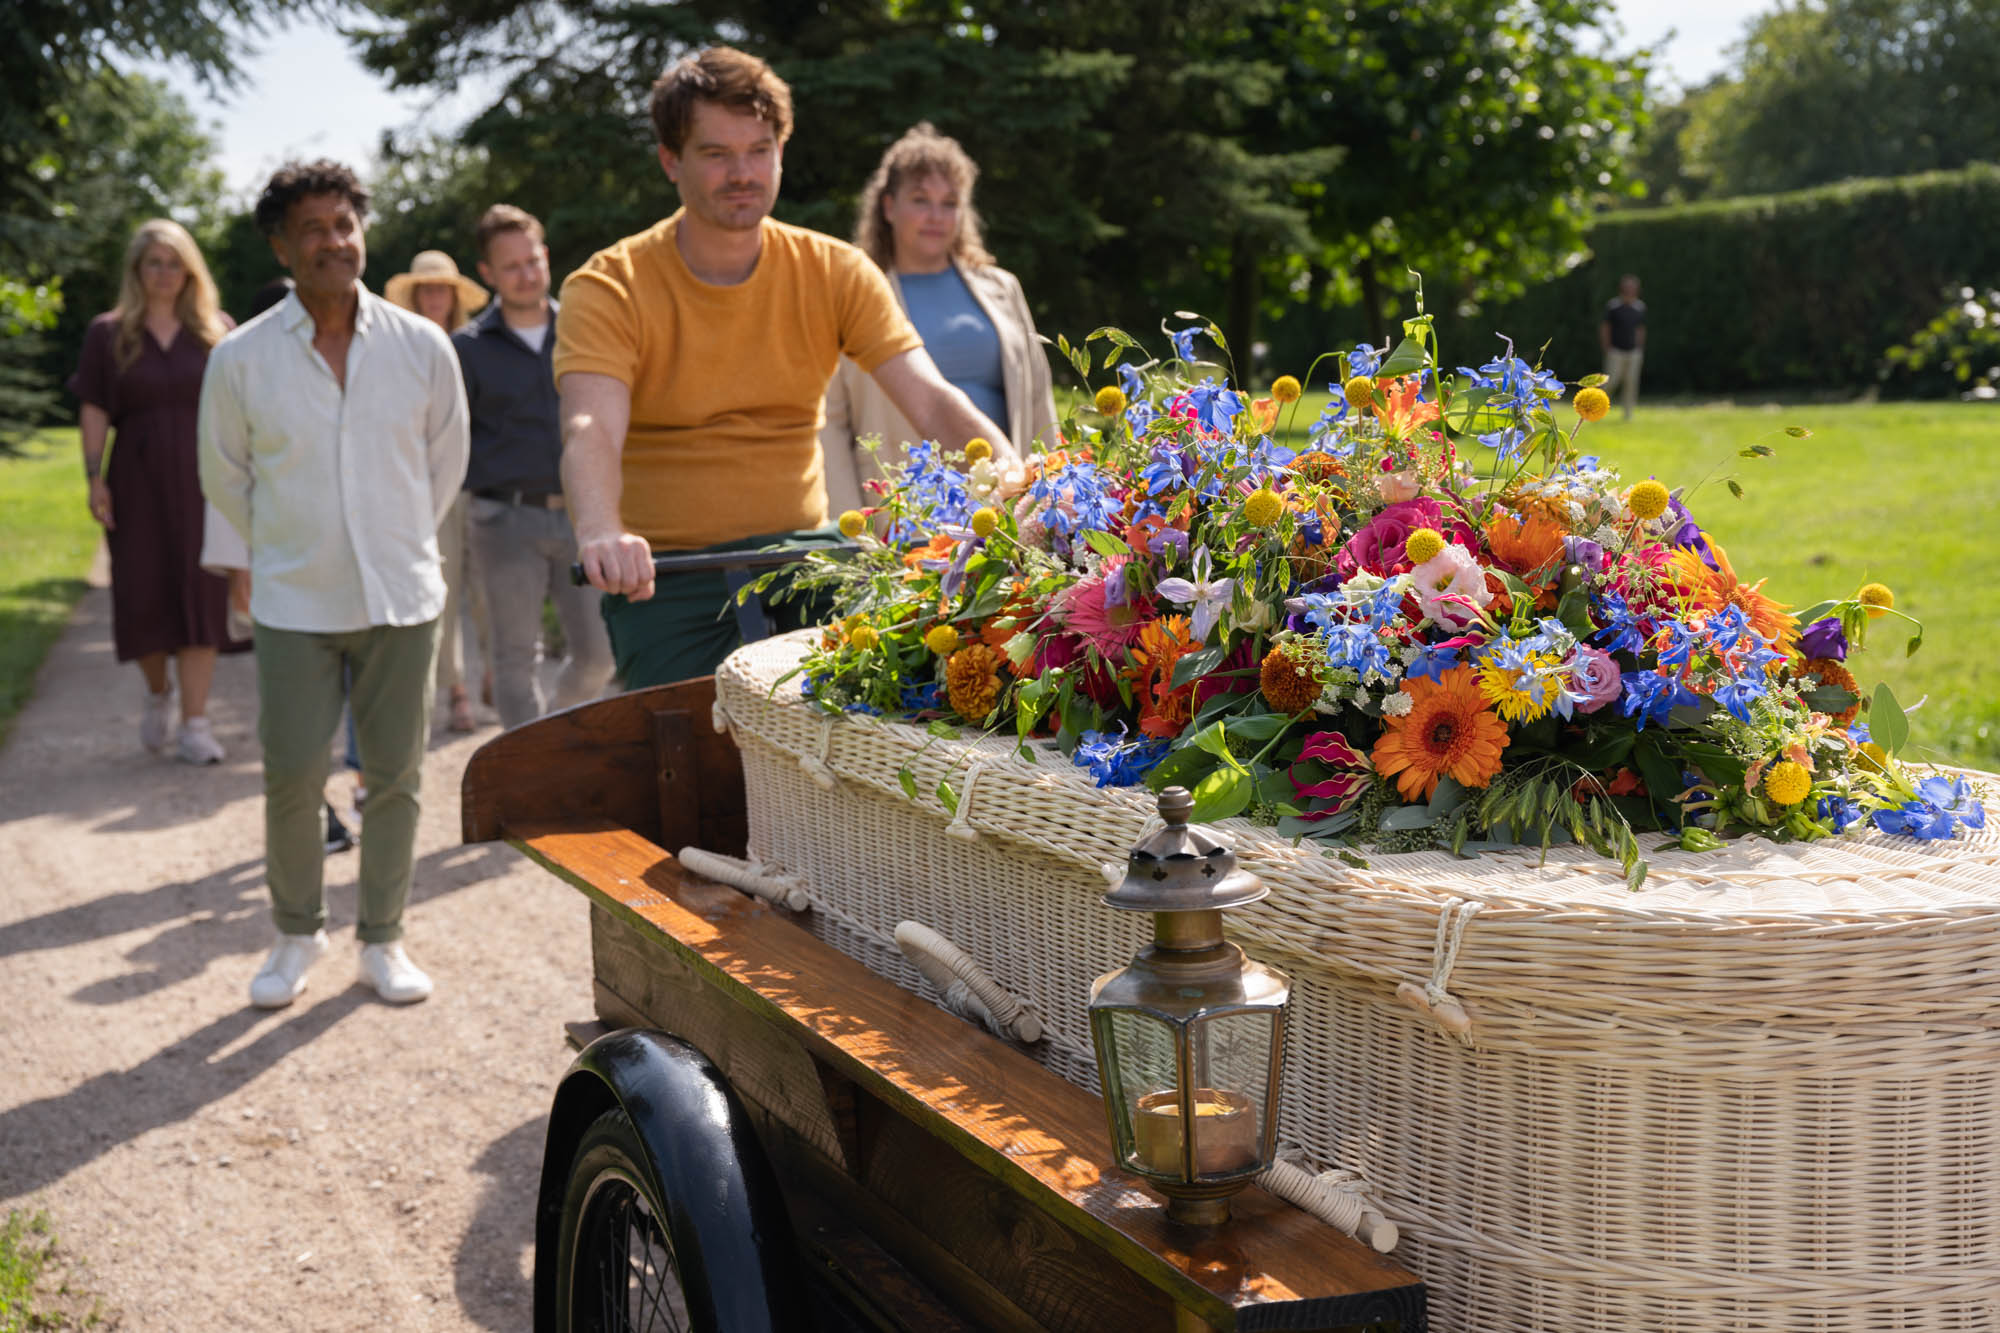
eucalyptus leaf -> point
(1197, 664)
(1886, 723)
(1817, 611)
(1448, 796)
(1330, 827)
(1258, 726)
(1402, 818)
(1182, 768)
(1407, 359)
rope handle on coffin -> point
(1432, 999)
(749, 876)
(1340, 1199)
(967, 989)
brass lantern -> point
(1190, 1037)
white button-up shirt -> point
(338, 492)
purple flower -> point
(1594, 678)
(1823, 638)
(1686, 533)
(1585, 552)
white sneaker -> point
(283, 975)
(395, 978)
(153, 722)
(198, 744)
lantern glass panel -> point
(1140, 1065)
(1232, 1067)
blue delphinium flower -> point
(1680, 645)
(1358, 648)
(1267, 459)
(1184, 342)
(1429, 663)
(1115, 761)
(1942, 805)
(1131, 382)
(1505, 443)
(1215, 405)
(1140, 415)
(1089, 499)
(922, 698)
(1167, 472)
(1364, 360)
(937, 493)
(1512, 384)
(1839, 812)
(1651, 695)
(1737, 695)
(1621, 631)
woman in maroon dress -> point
(140, 377)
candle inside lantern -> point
(1225, 1135)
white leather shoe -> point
(198, 744)
(283, 975)
(153, 721)
(395, 978)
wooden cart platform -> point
(935, 1175)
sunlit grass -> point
(47, 538)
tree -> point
(1824, 90)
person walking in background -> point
(333, 438)
(917, 221)
(693, 360)
(519, 533)
(1623, 337)
(140, 376)
(435, 289)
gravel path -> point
(338, 1165)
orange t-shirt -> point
(728, 383)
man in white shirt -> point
(334, 438)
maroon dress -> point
(161, 601)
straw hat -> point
(434, 266)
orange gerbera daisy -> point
(939, 547)
(1449, 730)
(1707, 589)
(1527, 547)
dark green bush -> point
(1790, 291)
(1956, 353)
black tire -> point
(616, 1268)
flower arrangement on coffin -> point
(1437, 624)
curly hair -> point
(724, 75)
(296, 180)
(919, 153)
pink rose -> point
(1595, 676)
(1378, 547)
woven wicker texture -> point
(1762, 1093)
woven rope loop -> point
(783, 891)
(960, 826)
(718, 717)
(948, 968)
(1340, 1199)
(815, 762)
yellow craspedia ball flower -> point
(1591, 404)
(1647, 500)
(852, 523)
(1359, 392)
(864, 637)
(1787, 783)
(985, 522)
(978, 447)
(1874, 756)
(1423, 544)
(942, 640)
(1877, 598)
(1110, 400)
(1262, 507)
(1286, 389)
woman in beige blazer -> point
(917, 221)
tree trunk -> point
(1246, 271)
(1371, 303)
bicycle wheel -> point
(617, 1271)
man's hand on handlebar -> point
(621, 562)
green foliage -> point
(1796, 290)
(1958, 352)
(1133, 159)
(46, 542)
(1835, 89)
(34, 1296)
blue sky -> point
(305, 94)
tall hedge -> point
(1787, 291)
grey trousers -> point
(522, 554)
(299, 689)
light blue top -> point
(958, 335)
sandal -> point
(461, 711)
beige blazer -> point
(856, 407)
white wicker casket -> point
(1762, 1093)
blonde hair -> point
(198, 307)
(458, 317)
(919, 153)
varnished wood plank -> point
(597, 760)
(1273, 1267)
(677, 781)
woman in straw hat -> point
(140, 379)
(435, 289)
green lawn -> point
(1898, 493)
(47, 539)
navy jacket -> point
(510, 390)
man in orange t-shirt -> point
(693, 361)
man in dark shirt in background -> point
(1623, 336)
(517, 525)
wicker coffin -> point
(1762, 1093)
